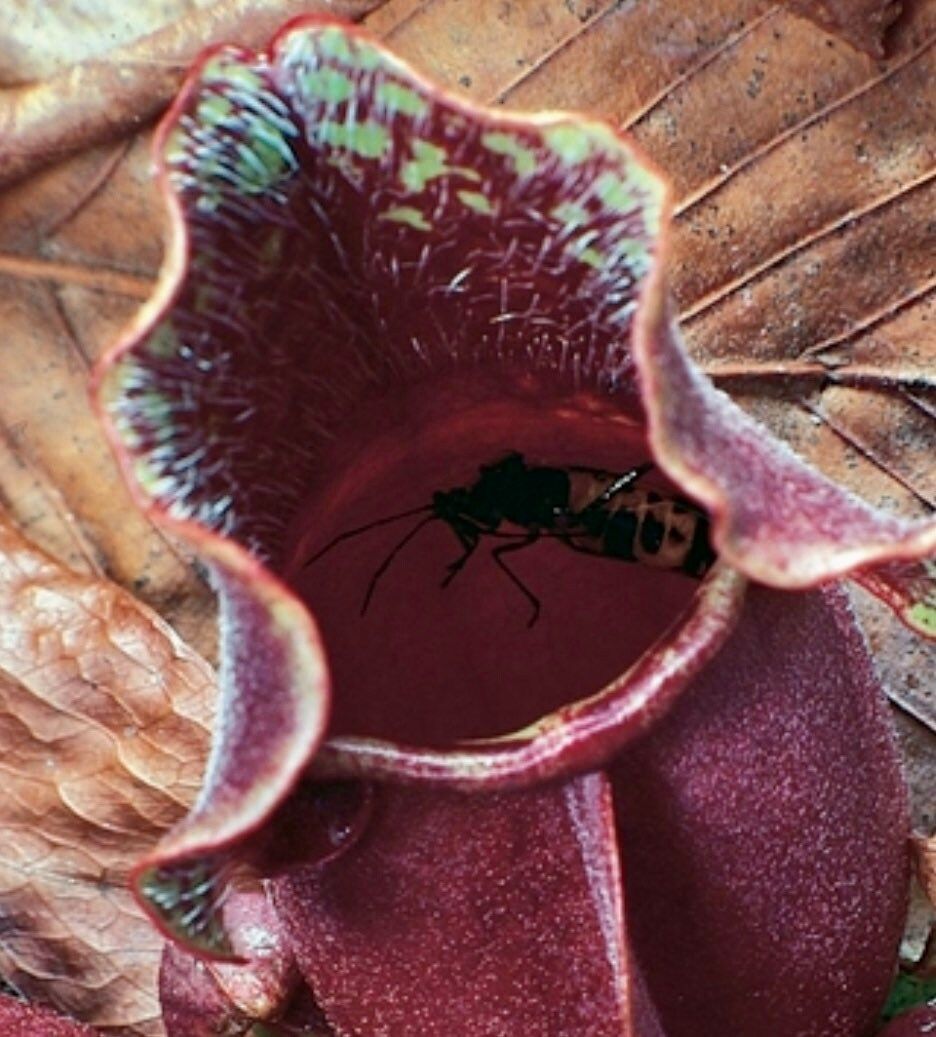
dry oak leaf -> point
(41, 37)
(861, 22)
(104, 716)
(113, 92)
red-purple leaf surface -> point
(919, 1022)
(501, 909)
(200, 998)
(322, 184)
(751, 774)
(21, 1020)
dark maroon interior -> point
(429, 665)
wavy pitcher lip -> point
(340, 231)
(776, 519)
(577, 737)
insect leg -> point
(385, 564)
(469, 541)
(498, 553)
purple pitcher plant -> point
(492, 773)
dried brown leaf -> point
(925, 859)
(861, 22)
(41, 37)
(73, 269)
(98, 99)
(104, 714)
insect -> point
(588, 509)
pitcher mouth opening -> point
(446, 628)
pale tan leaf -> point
(41, 37)
(98, 99)
(104, 717)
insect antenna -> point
(385, 564)
(348, 533)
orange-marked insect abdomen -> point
(643, 526)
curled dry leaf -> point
(41, 37)
(99, 99)
(57, 478)
(103, 723)
(862, 23)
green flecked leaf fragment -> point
(399, 98)
(906, 993)
(592, 257)
(163, 343)
(264, 160)
(213, 109)
(428, 162)
(408, 215)
(571, 214)
(524, 159)
(615, 193)
(226, 70)
(176, 148)
(274, 154)
(922, 616)
(153, 483)
(154, 407)
(633, 253)
(327, 84)
(252, 167)
(367, 139)
(475, 200)
(333, 43)
(187, 907)
(572, 144)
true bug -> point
(588, 509)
